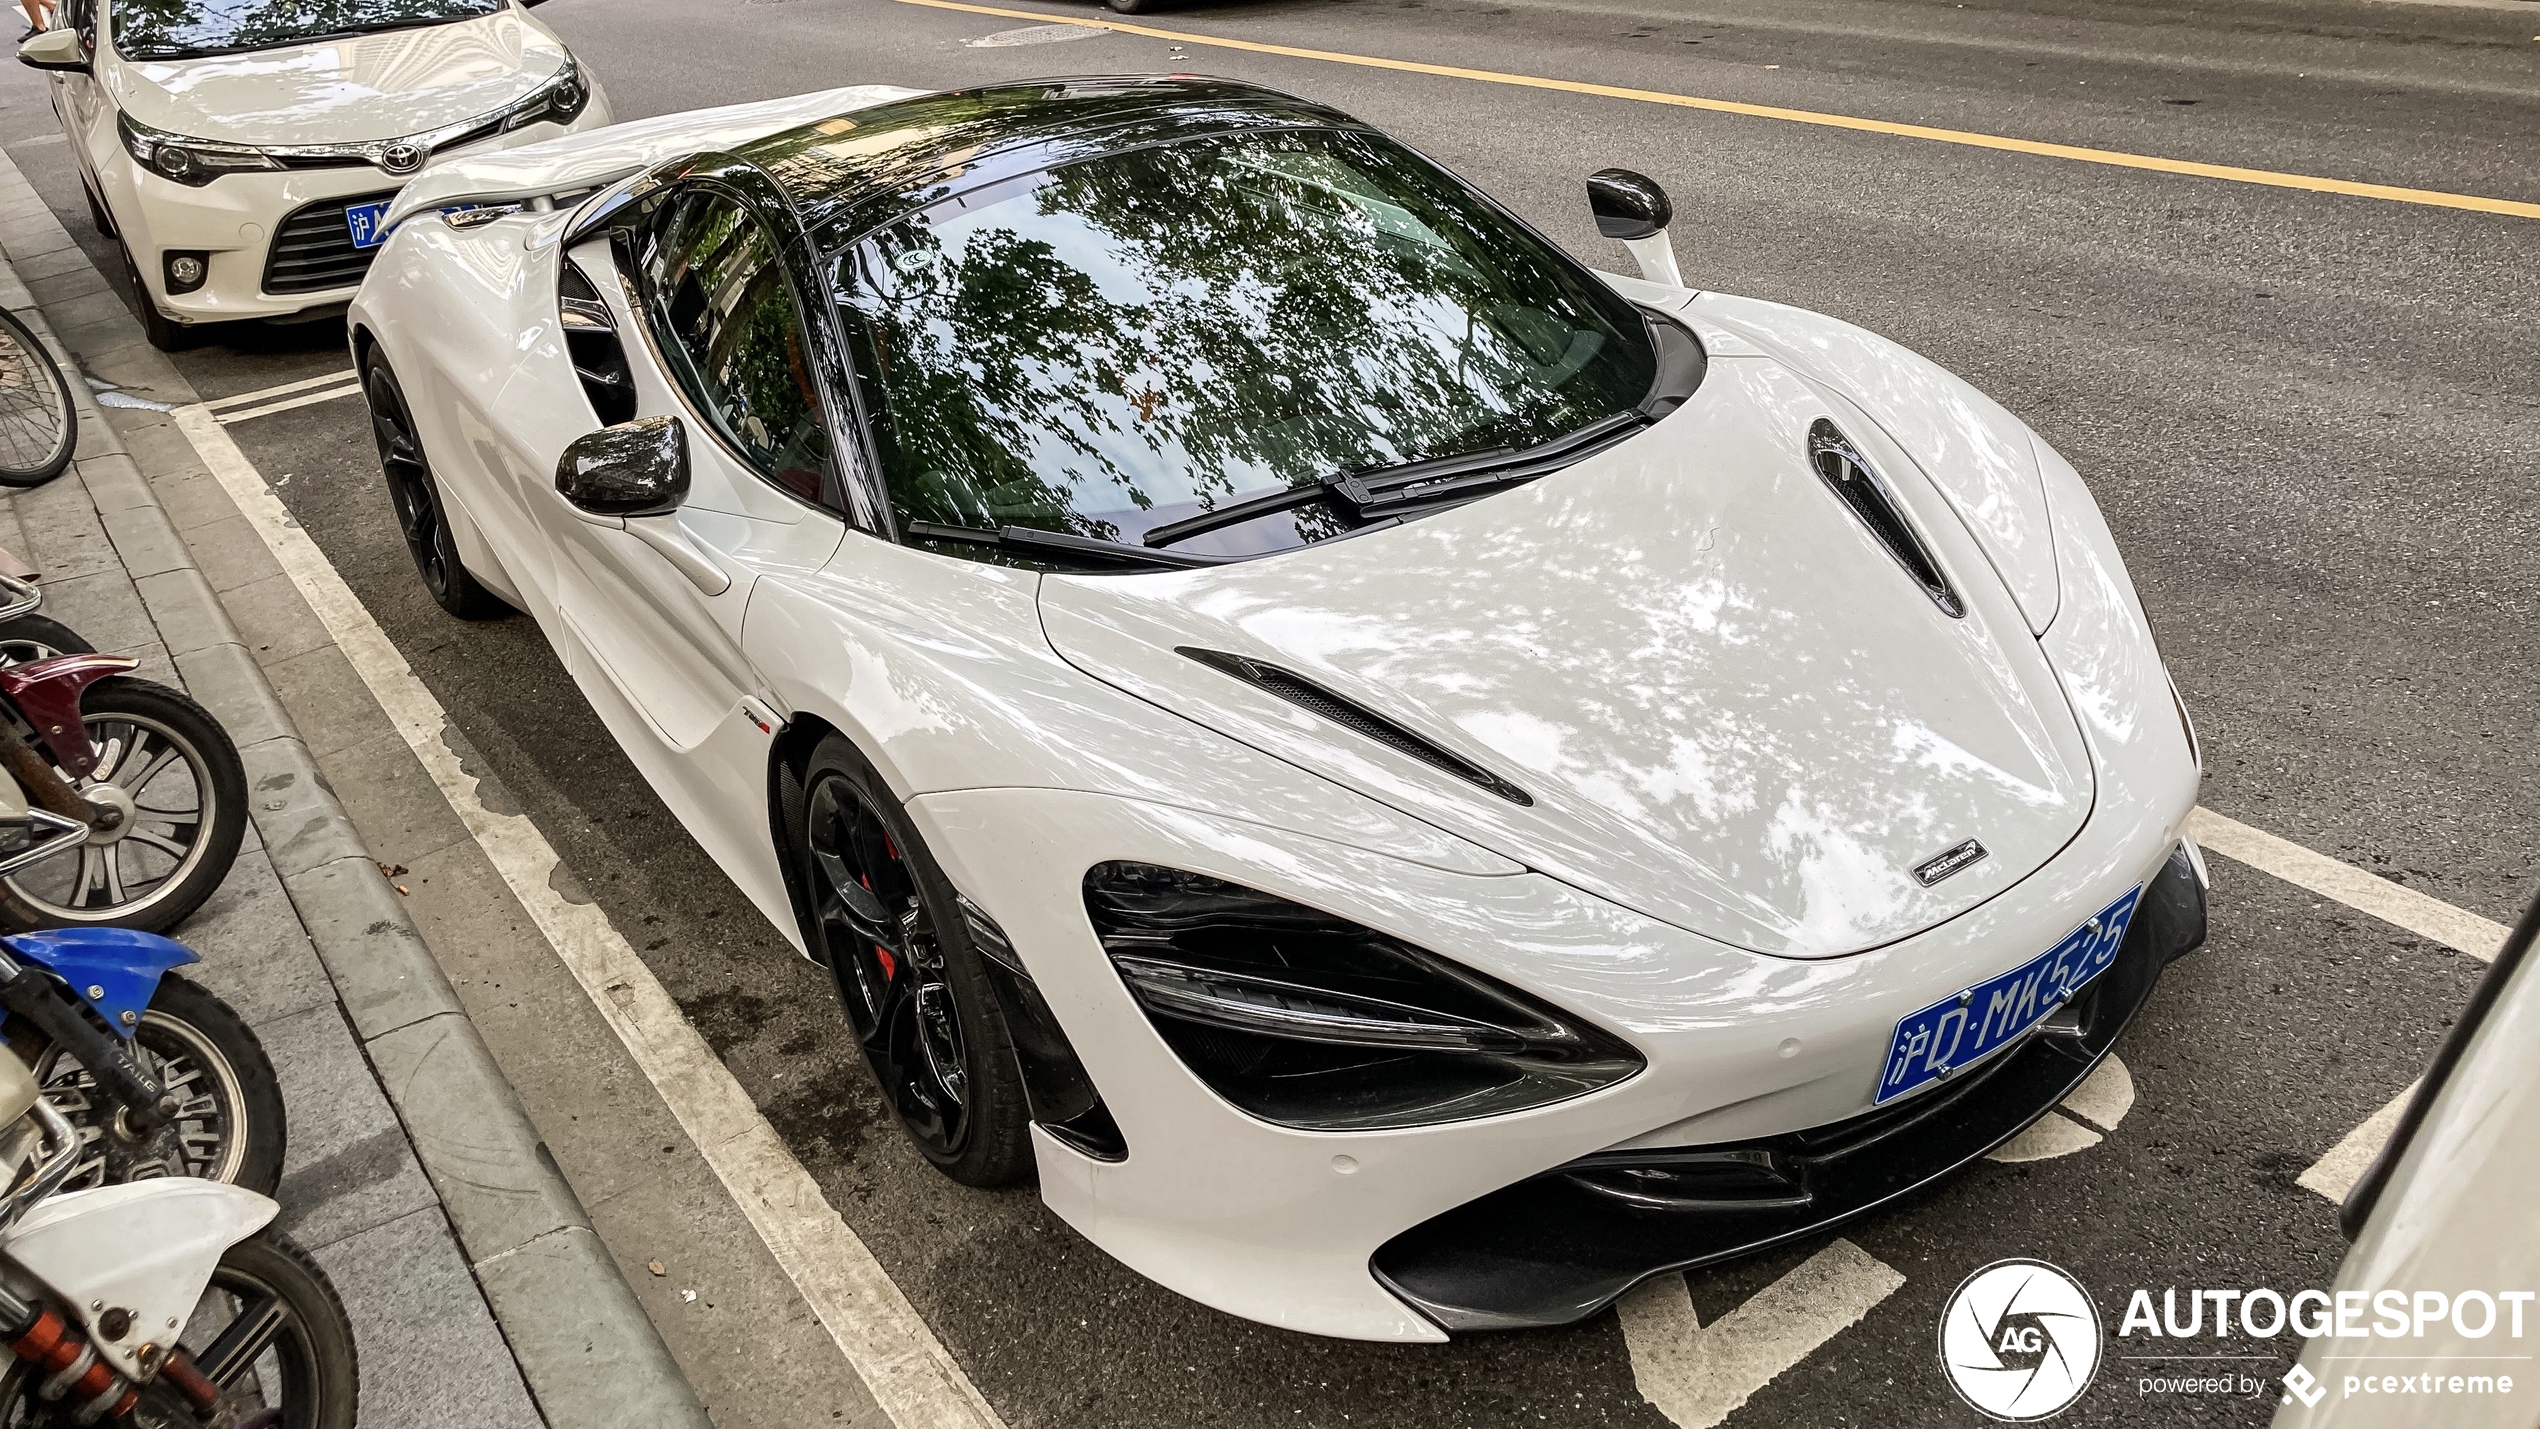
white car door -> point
(78, 99)
(652, 606)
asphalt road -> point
(2308, 417)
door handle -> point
(662, 533)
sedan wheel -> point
(888, 927)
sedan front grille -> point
(313, 249)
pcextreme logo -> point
(2020, 1340)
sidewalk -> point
(480, 1293)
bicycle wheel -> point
(37, 426)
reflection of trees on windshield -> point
(159, 29)
(1139, 338)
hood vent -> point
(1297, 690)
(590, 336)
(1848, 474)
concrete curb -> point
(585, 1347)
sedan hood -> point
(378, 86)
(1729, 706)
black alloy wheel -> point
(416, 498)
(887, 923)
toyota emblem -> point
(401, 158)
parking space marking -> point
(2336, 1173)
(2118, 158)
(285, 405)
(261, 394)
(2455, 928)
(1698, 1375)
(911, 1376)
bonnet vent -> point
(590, 336)
(1297, 690)
(1848, 474)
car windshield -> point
(177, 29)
(1134, 341)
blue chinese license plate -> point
(1957, 1031)
(364, 220)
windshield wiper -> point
(1030, 541)
(1385, 489)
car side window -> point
(80, 15)
(728, 324)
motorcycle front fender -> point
(47, 692)
(146, 1248)
(117, 970)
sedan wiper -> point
(1029, 541)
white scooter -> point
(162, 1302)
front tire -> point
(416, 497)
(230, 1126)
(172, 767)
(165, 333)
(25, 639)
(888, 923)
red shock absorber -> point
(71, 1368)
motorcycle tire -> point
(230, 1125)
(134, 722)
(25, 639)
(305, 1374)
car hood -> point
(1730, 707)
(378, 86)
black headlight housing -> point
(1309, 1020)
(191, 162)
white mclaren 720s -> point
(1412, 782)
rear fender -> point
(115, 970)
(147, 1248)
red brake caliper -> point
(890, 966)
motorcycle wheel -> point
(170, 764)
(269, 1330)
(230, 1123)
(26, 639)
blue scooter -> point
(159, 1075)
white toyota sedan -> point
(1415, 783)
(244, 152)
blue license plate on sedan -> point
(1956, 1032)
(364, 220)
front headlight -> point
(1312, 1021)
(192, 162)
(559, 101)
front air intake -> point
(1302, 692)
(590, 337)
(1849, 475)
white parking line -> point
(247, 399)
(311, 400)
(2344, 1164)
(2426, 917)
(1698, 1375)
(911, 1376)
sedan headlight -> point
(560, 100)
(192, 162)
(1312, 1021)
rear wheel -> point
(416, 497)
(38, 426)
(25, 639)
(888, 924)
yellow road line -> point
(2115, 158)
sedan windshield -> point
(179, 29)
(1135, 342)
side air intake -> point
(1849, 475)
(1297, 690)
(590, 336)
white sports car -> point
(1417, 783)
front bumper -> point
(238, 219)
(1560, 1246)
